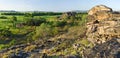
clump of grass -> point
(29, 48)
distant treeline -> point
(82, 13)
(33, 13)
(12, 13)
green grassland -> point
(21, 29)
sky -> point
(56, 5)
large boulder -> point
(100, 12)
(99, 8)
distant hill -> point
(80, 11)
(8, 11)
(77, 11)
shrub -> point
(85, 42)
(76, 31)
(12, 42)
(5, 32)
(33, 21)
(2, 46)
(13, 20)
(59, 23)
(44, 31)
(3, 17)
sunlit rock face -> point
(99, 8)
(104, 32)
(104, 26)
(100, 12)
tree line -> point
(33, 13)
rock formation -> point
(109, 49)
(67, 15)
(100, 12)
(103, 27)
(104, 32)
(99, 8)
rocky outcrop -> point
(67, 15)
(100, 31)
(109, 49)
(103, 30)
(99, 8)
(100, 12)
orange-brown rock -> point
(104, 27)
(100, 12)
(99, 8)
(102, 15)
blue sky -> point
(55, 5)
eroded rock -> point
(99, 8)
(109, 49)
(105, 25)
(100, 12)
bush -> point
(3, 17)
(77, 31)
(59, 23)
(44, 31)
(34, 22)
(12, 42)
(5, 32)
(2, 46)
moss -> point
(85, 42)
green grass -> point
(52, 27)
(48, 18)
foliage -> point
(12, 13)
(3, 17)
(33, 21)
(13, 20)
(28, 15)
(85, 42)
(34, 13)
(12, 42)
(59, 23)
(45, 13)
(5, 32)
(2, 46)
(44, 26)
(45, 30)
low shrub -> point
(44, 31)
(33, 21)
(3, 17)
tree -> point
(29, 15)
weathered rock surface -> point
(100, 31)
(100, 12)
(67, 15)
(99, 8)
(104, 32)
(109, 49)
